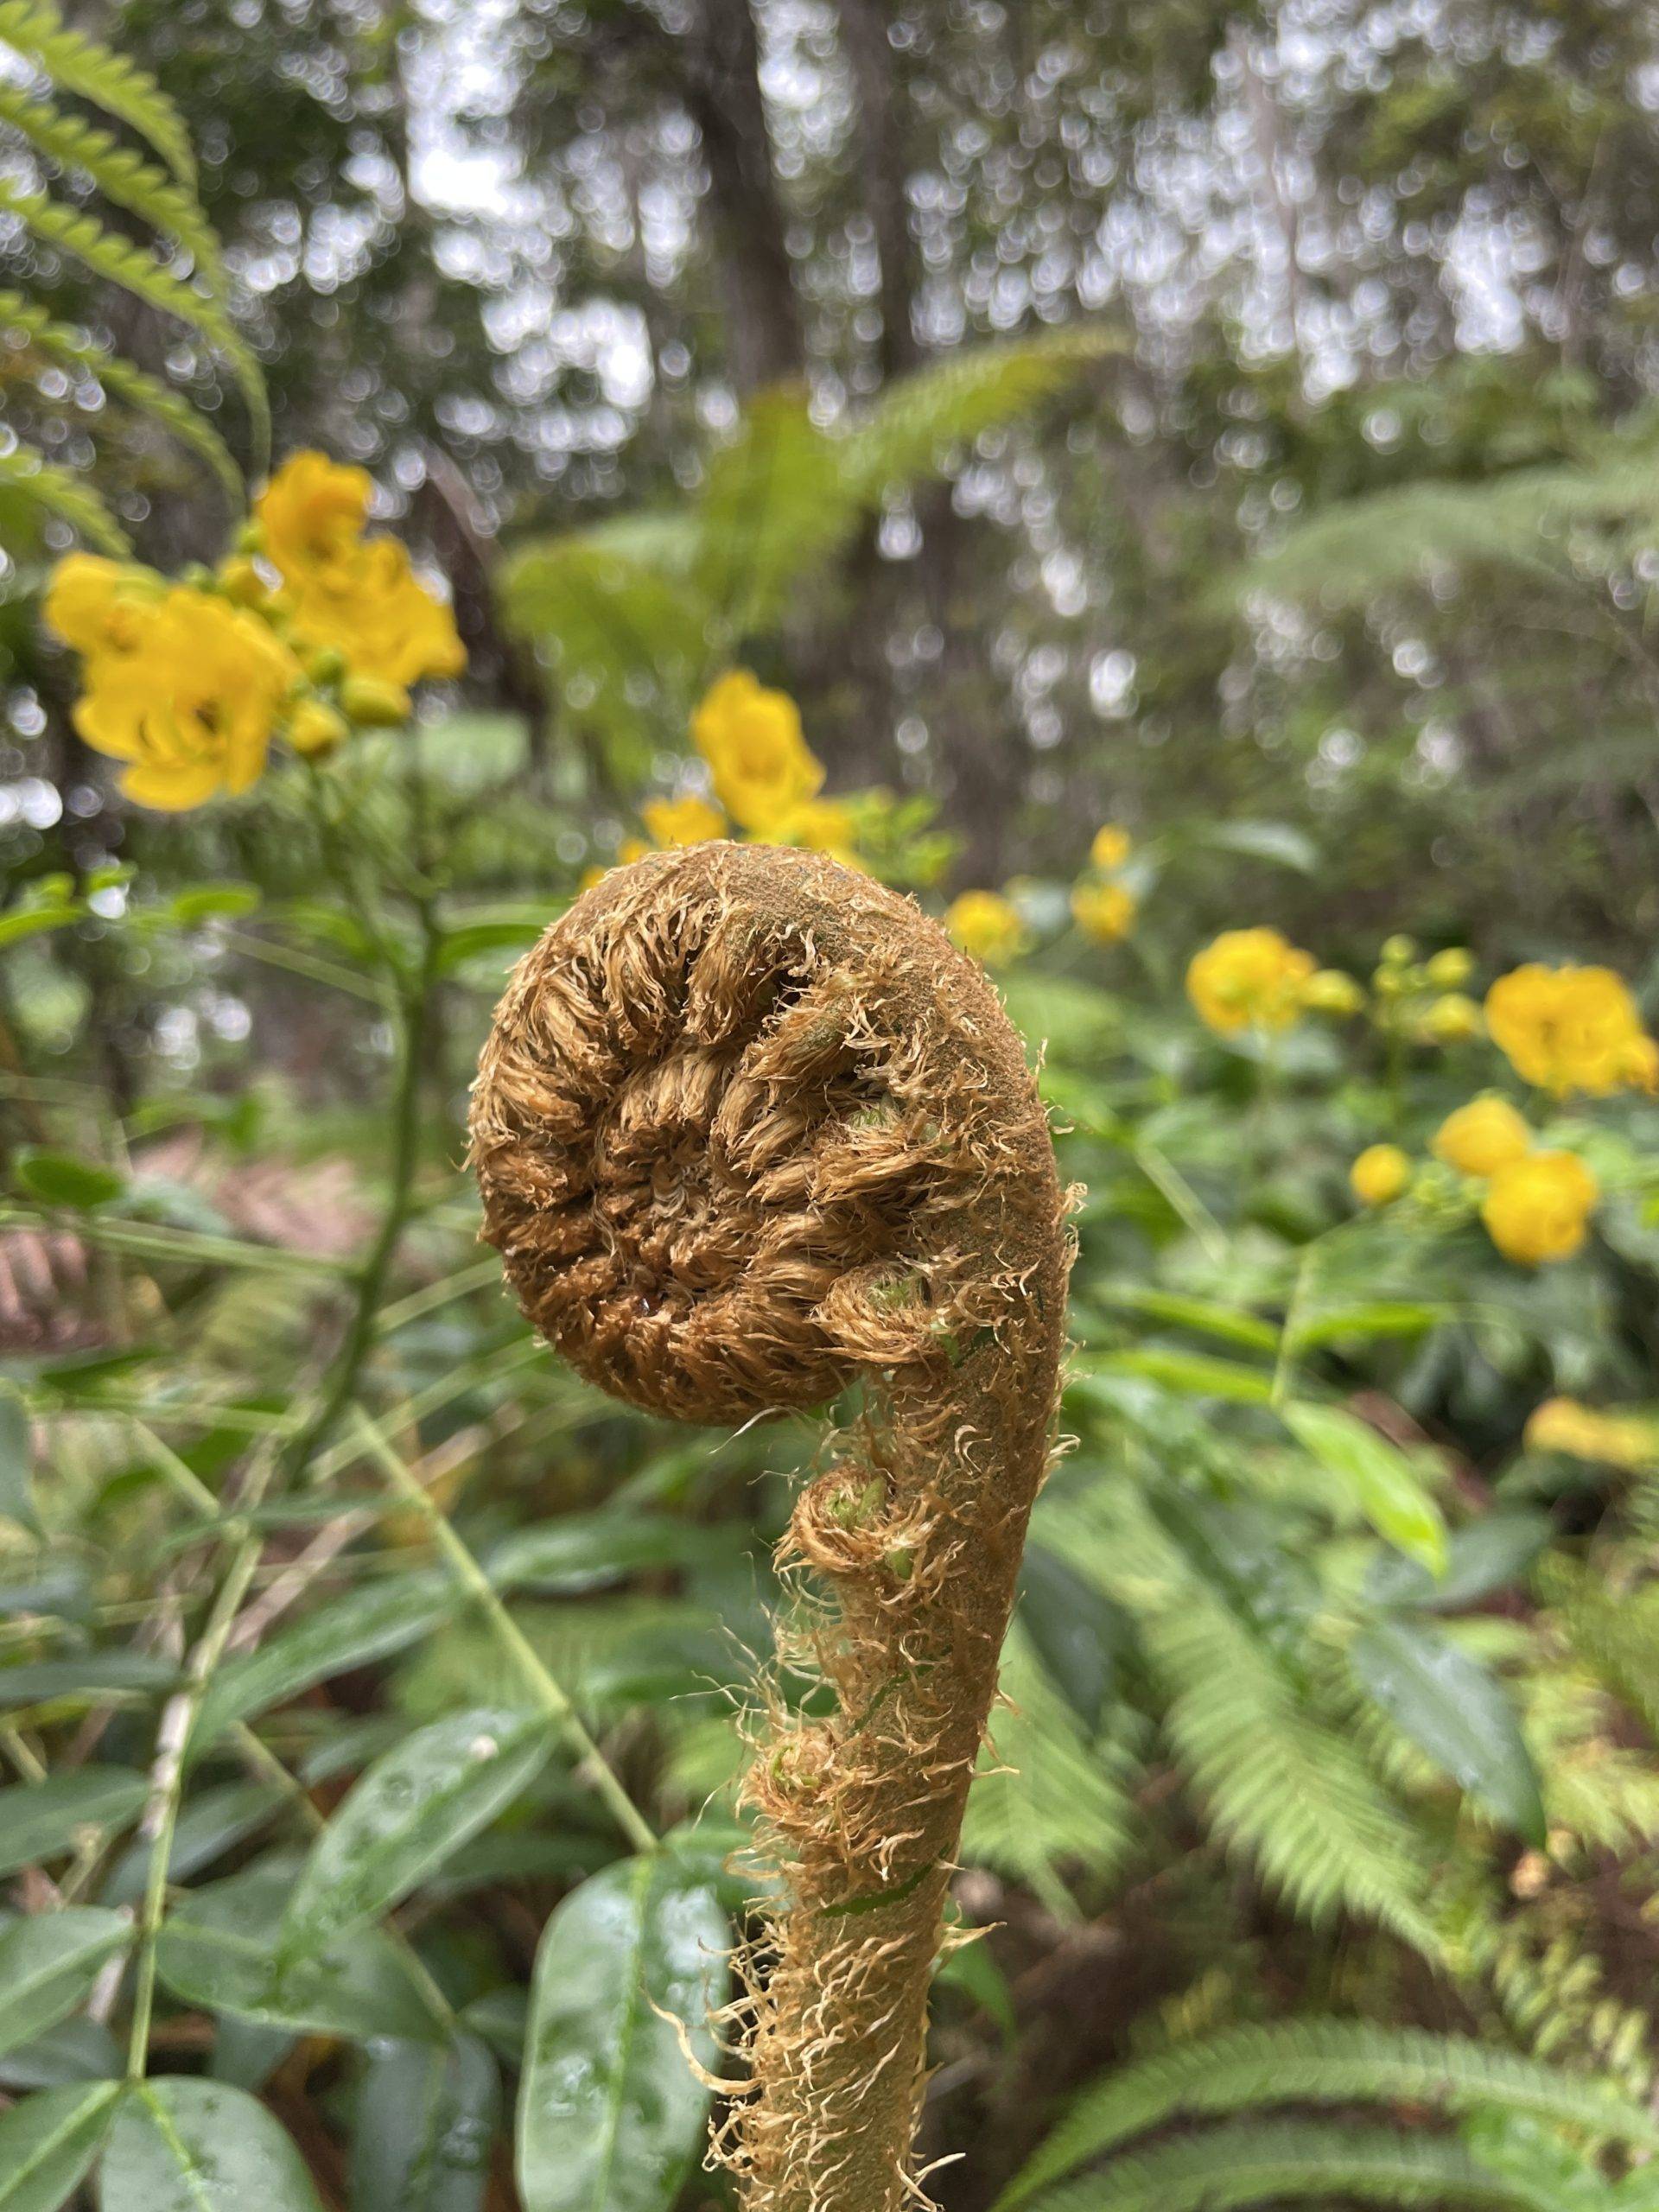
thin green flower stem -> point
(420, 1303)
(1166, 1178)
(314, 969)
(546, 1691)
(339, 1385)
(146, 1242)
(167, 1773)
(31, 1769)
(1284, 1368)
(435, 1395)
(263, 1761)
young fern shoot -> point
(749, 1129)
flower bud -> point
(1449, 969)
(315, 728)
(373, 703)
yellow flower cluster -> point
(189, 683)
(986, 926)
(765, 774)
(1483, 1137)
(1104, 910)
(1572, 1029)
(345, 593)
(1611, 1440)
(181, 685)
(1249, 979)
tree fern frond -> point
(613, 607)
(108, 81)
(135, 271)
(120, 174)
(1617, 1637)
(1400, 537)
(73, 349)
(776, 504)
(1272, 1770)
(1229, 2167)
(37, 487)
(1324, 2062)
(953, 401)
(1049, 1798)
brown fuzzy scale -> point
(749, 1127)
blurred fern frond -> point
(1324, 2062)
(59, 164)
(779, 502)
(1523, 521)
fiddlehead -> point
(747, 1128)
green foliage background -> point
(1234, 423)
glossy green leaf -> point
(1457, 1714)
(214, 901)
(41, 1820)
(219, 1951)
(1378, 1477)
(610, 2114)
(591, 1551)
(414, 1806)
(182, 2144)
(77, 2049)
(1483, 1556)
(48, 2141)
(1192, 1374)
(426, 2119)
(88, 1673)
(354, 1631)
(59, 1179)
(1204, 1316)
(16, 1460)
(1380, 1317)
(1075, 1629)
(49, 1962)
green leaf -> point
(47, 1964)
(220, 1950)
(85, 1673)
(16, 1460)
(610, 2114)
(1380, 1480)
(1455, 1713)
(1204, 1316)
(43, 491)
(354, 1631)
(58, 1179)
(425, 2121)
(39, 1819)
(1075, 1629)
(213, 901)
(1482, 1556)
(1191, 1374)
(412, 1808)
(1392, 1317)
(48, 2141)
(33, 921)
(183, 2145)
(591, 1551)
(1275, 842)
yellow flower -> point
(1104, 912)
(193, 707)
(314, 728)
(751, 738)
(631, 849)
(1566, 1028)
(101, 606)
(822, 825)
(986, 927)
(1641, 1064)
(311, 514)
(1450, 1019)
(1249, 978)
(1112, 847)
(687, 820)
(344, 593)
(1482, 1137)
(1535, 1208)
(1612, 1439)
(1379, 1175)
(1329, 991)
